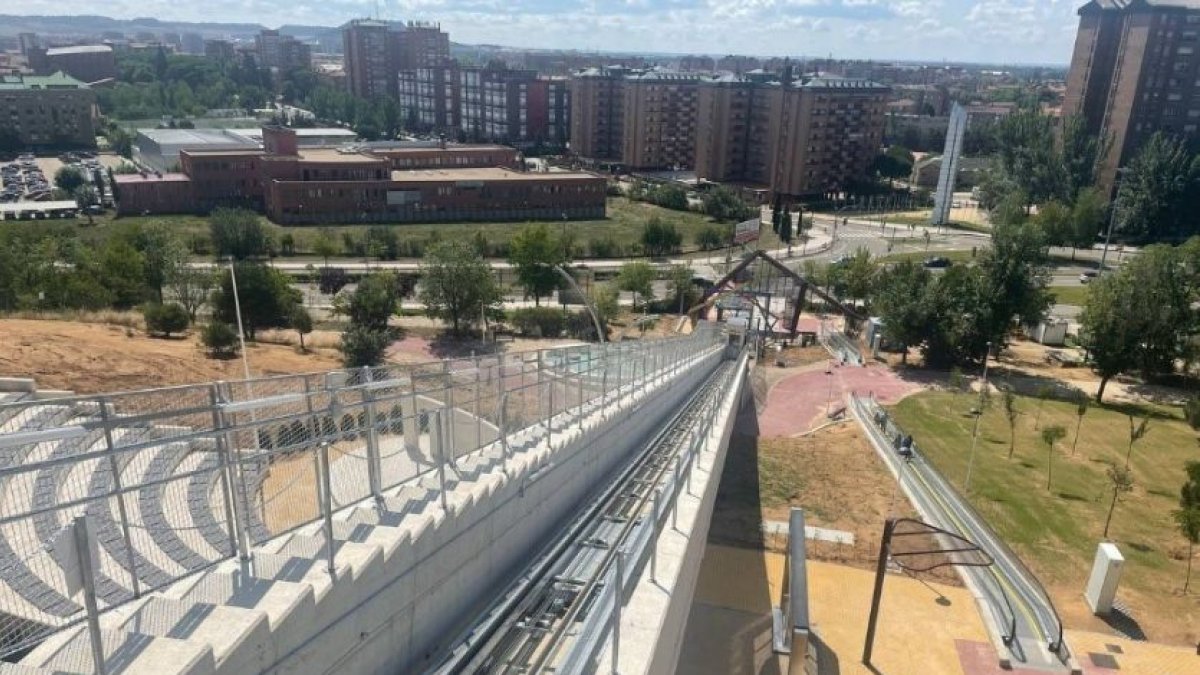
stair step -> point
(127, 653)
(239, 637)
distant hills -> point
(88, 25)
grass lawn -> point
(1070, 295)
(1056, 531)
(623, 225)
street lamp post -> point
(237, 308)
(978, 415)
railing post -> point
(658, 509)
(374, 468)
(550, 417)
(675, 494)
(239, 537)
(604, 390)
(441, 459)
(83, 549)
(478, 404)
(115, 468)
(324, 493)
(617, 593)
(579, 376)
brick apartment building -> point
(295, 185)
(792, 138)
(376, 51)
(48, 111)
(87, 63)
(282, 52)
(659, 120)
(493, 104)
(598, 114)
(1134, 72)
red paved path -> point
(797, 404)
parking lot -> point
(27, 179)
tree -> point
(535, 253)
(1158, 193)
(164, 254)
(362, 346)
(709, 238)
(330, 280)
(121, 270)
(959, 313)
(1082, 403)
(221, 340)
(1009, 399)
(325, 246)
(190, 287)
(1088, 215)
(165, 319)
(859, 275)
(265, 294)
(637, 278)
(457, 284)
(1080, 155)
(238, 233)
(1016, 272)
(1050, 436)
(605, 302)
(372, 303)
(723, 204)
(1187, 517)
(1107, 331)
(1054, 219)
(1136, 433)
(1027, 155)
(679, 280)
(659, 238)
(896, 163)
(900, 300)
(1121, 482)
(301, 322)
(85, 197)
(69, 178)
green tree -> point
(659, 238)
(679, 280)
(637, 277)
(457, 286)
(1157, 198)
(165, 319)
(1108, 330)
(900, 299)
(238, 233)
(164, 254)
(1016, 269)
(896, 163)
(723, 204)
(121, 271)
(220, 339)
(301, 322)
(86, 198)
(1011, 413)
(325, 245)
(363, 346)
(1080, 155)
(1028, 156)
(859, 275)
(710, 238)
(1088, 215)
(960, 312)
(372, 303)
(1187, 517)
(69, 178)
(605, 302)
(1121, 482)
(266, 296)
(535, 253)
(1056, 224)
(1137, 431)
(190, 287)
(1050, 436)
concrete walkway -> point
(798, 403)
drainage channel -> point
(531, 627)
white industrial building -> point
(159, 149)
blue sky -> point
(996, 31)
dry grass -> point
(107, 317)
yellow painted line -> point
(1023, 606)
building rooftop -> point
(131, 178)
(59, 80)
(197, 137)
(430, 149)
(491, 174)
(79, 49)
(343, 155)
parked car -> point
(937, 263)
(1088, 276)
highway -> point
(1020, 611)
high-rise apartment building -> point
(1134, 72)
(789, 138)
(52, 111)
(512, 106)
(429, 98)
(598, 114)
(659, 120)
(376, 51)
(281, 52)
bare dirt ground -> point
(833, 474)
(93, 358)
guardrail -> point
(1036, 597)
(173, 480)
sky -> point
(990, 31)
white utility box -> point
(1106, 575)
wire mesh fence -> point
(173, 480)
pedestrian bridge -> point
(502, 513)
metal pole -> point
(374, 468)
(658, 509)
(877, 594)
(326, 496)
(84, 551)
(115, 468)
(237, 307)
(234, 472)
(219, 440)
(441, 459)
(675, 496)
(620, 581)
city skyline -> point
(980, 31)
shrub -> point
(539, 321)
(710, 238)
(221, 340)
(603, 248)
(165, 319)
(362, 346)
(332, 279)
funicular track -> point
(530, 627)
